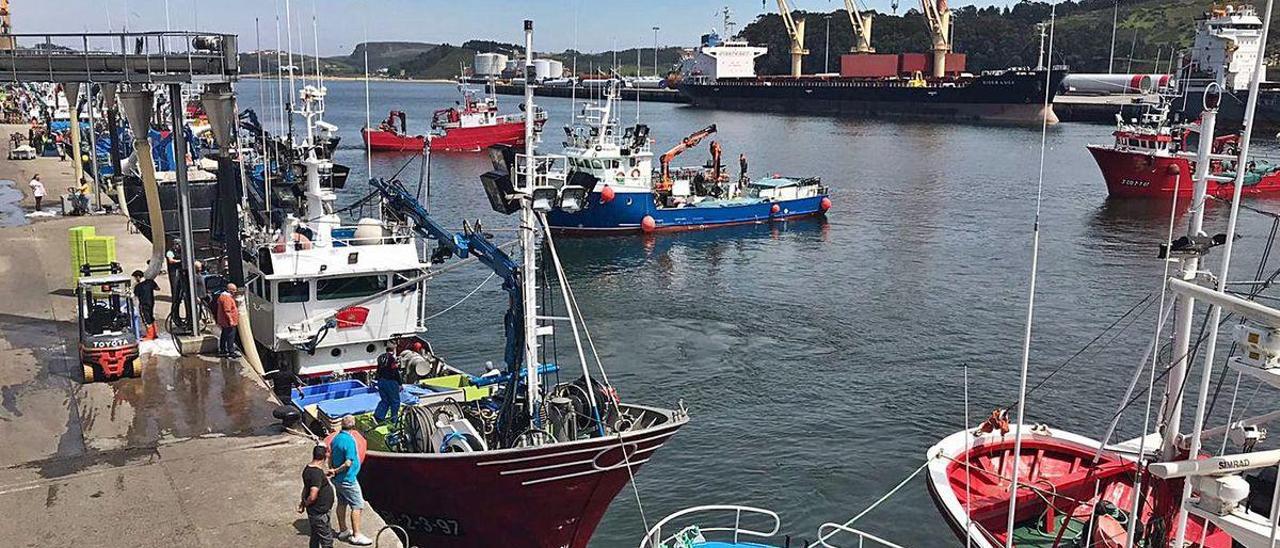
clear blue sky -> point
(600, 24)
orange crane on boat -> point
(685, 144)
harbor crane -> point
(685, 144)
(939, 19)
(795, 28)
(861, 28)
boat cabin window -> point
(400, 278)
(294, 292)
(350, 287)
(596, 164)
(613, 164)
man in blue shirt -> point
(345, 461)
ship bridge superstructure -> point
(1226, 46)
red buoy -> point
(1173, 170)
(775, 209)
(647, 224)
(606, 194)
(826, 203)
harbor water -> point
(819, 359)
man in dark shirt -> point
(145, 291)
(317, 498)
(388, 377)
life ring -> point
(635, 173)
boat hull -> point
(968, 480)
(1132, 174)
(475, 139)
(1016, 97)
(387, 141)
(626, 213)
(544, 497)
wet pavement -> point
(186, 455)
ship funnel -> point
(139, 105)
(220, 104)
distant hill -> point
(384, 55)
(995, 37)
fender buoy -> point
(647, 224)
(775, 209)
(607, 194)
(825, 204)
(1173, 170)
(635, 173)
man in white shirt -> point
(37, 189)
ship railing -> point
(542, 170)
(827, 530)
(654, 538)
(120, 57)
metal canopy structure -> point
(124, 58)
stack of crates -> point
(87, 248)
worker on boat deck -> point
(145, 291)
(388, 378)
(317, 498)
(742, 168)
(344, 457)
(228, 320)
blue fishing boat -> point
(627, 196)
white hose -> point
(147, 171)
(245, 332)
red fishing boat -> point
(1151, 158)
(476, 125)
(1065, 497)
(388, 139)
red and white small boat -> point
(1151, 158)
(476, 124)
(387, 139)
(1065, 497)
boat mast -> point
(1171, 421)
(528, 238)
(1215, 315)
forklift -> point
(108, 328)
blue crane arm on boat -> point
(462, 244)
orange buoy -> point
(775, 209)
(825, 204)
(607, 194)
(647, 224)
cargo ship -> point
(722, 74)
(1227, 41)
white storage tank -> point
(541, 69)
(490, 64)
(557, 69)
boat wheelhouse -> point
(477, 124)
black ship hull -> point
(1231, 108)
(1011, 96)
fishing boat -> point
(477, 125)
(627, 196)
(1013, 484)
(508, 457)
(389, 139)
(1153, 157)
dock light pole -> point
(655, 51)
(177, 127)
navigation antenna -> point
(728, 22)
(894, 6)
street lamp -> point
(826, 55)
(655, 51)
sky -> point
(586, 25)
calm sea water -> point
(820, 359)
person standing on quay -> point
(37, 190)
(317, 498)
(228, 320)
(145, 291)
(344, 457)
